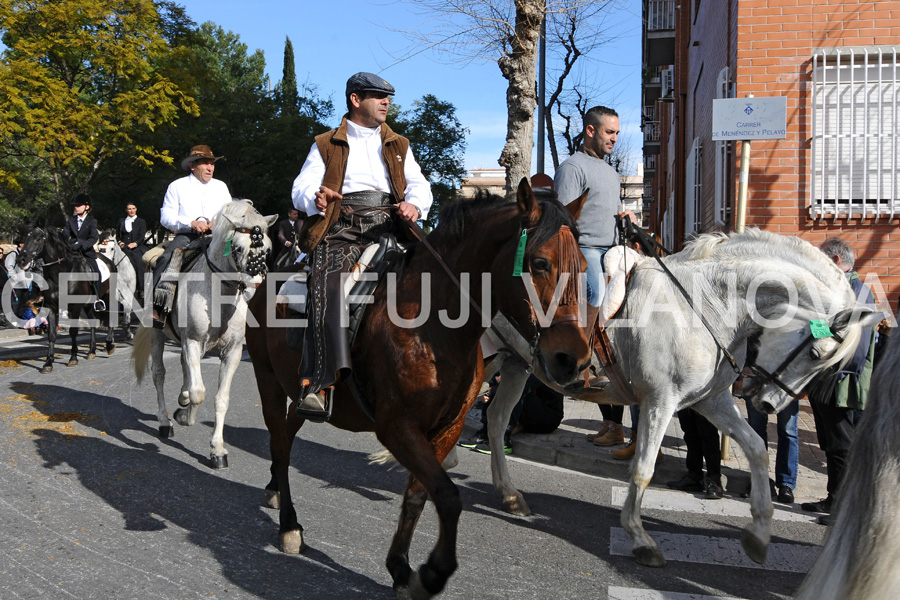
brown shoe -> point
(626, 453)
(604, 426)
(614, 435)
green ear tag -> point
(520, 254)
(819, 329)
(227, 246)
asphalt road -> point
(95, 505)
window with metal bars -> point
(722, 207)
(855, 131)
(693, 189)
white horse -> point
(210, 313)
(126, 278)
(860, 560)
(755, 289)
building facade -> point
(834, 174)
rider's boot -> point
(315, 406)
(164, 292)
(591, 380)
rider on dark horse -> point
(82, 233)
(349, 174)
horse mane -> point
(55, 237)
(453, 218)
(235, 211)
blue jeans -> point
(787, 455)
(596, 285)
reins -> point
(648, 246)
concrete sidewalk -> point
(567, 448)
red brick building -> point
(836, 172)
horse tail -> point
(861, 556)
(140, 351)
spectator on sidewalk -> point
(702, 440)
(787, 454)
(837, 403)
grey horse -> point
(757, 290)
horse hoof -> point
(292, 542)
(90, 356)
(166, 431)
(515, 504)
(181, 417)
(72, 363)
(110, 350)
(47, 369)
(755, 548)
(273, 499)
(414, 590)
(219, 462)
(649, 557)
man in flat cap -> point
(188, 210)
(350, 173)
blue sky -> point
(332, 40)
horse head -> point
(33, 246)
(241, 234)
(552, 268)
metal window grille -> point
(723, 159)
(855, 128)
(660, 15)
(693, 189)
(650, 161)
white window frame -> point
(693, 189)
(722, 206)
(855, 130)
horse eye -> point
(814, 354)
(540, 264)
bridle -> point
(774, 376)
(256, 261)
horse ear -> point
(270, 220)
(229, 219)
(574, 207)
(865, 316)
(528, 204)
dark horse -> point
(49, 245)
(423, 379)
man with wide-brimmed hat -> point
(82, 233)
(351, 176)
(188, 210)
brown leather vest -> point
(334, 149)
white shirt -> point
(129, 221)
(188, 199)
(365, 171)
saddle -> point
(378, 259)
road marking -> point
(684, 502)
(709, 550)
(621, 593)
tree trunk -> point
(519, 67)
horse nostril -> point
(565, 362)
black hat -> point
(81, 199)
(368, 82)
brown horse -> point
(423, 379)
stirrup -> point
(99, 305)
(314, 406)
(159, 318)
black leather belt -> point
(368, 198)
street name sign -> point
(763, 118)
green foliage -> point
(288, 88)
(79, 83)
(438, 142)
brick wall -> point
(774, 46)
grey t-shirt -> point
(597, 223)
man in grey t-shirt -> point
(588, 169)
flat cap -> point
(368, 82)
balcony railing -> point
(651, 131)
(660, 15)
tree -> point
(79, 84)
(289, 98)
(438, 141)
(506, 31)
